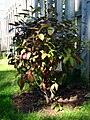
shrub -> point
(44, 48)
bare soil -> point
(31, 101)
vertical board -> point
(42, 5)
(88, 37)
(84, 22)
(36, 5)
(88, 19)
(78, 11)
(78, 5)
(26, 3)
(59, 9)
(49, 6)
(69, 9)
(50, 3)
(29, 4)
(83, 37)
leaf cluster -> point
(40, 45)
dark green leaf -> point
(66, 59)
(38, 9)
(72, 61)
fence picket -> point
(81, 10)
(70, 9)
(59, 9)
(84, 14)
(88, 38)
(42, 5)
(50, 3)
(49, 6)
(36, 5)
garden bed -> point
(33, 102)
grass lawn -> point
(9, 87)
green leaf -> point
(41, 36)
(69, 50)
(47, 45)
(72, 61)
(38, 9)
(20, 64)
(49, 55)
(53, 105)
(52, 52)
(66, 59)
(34, 58)
(23, 51)
(58, 108)
(56, 86)
(44, 55)
(43, 64)
(23, 42)
(40, 78)
(28, 55)
(20, 83)
(51, 30)
(48, 39)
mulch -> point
(32, 101)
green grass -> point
(9, 87)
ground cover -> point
(20, 105)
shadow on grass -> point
(6, 110)
(4, 85)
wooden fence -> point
(74, 9)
